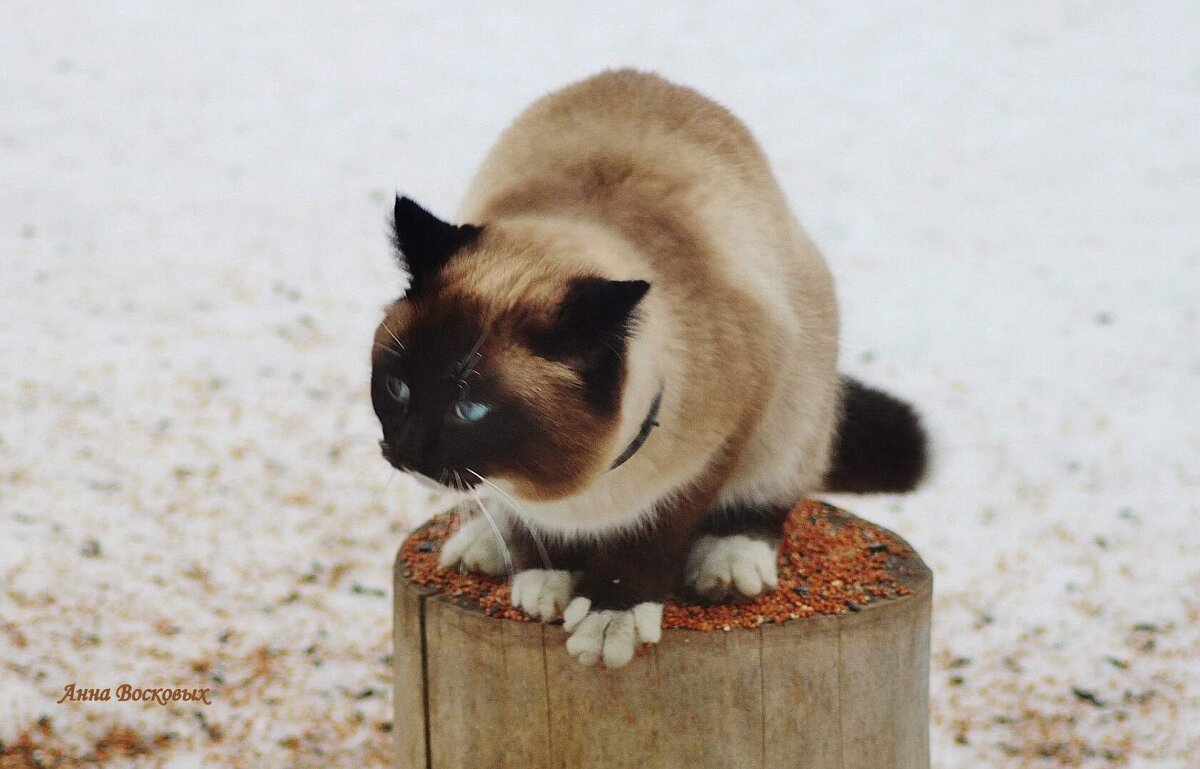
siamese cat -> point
(626, 349)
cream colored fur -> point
(740, 325)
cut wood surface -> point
(838, 691)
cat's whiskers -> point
(461, 506)
(508, 562)
(391, 477)
(387, 349)
(466, 367)
(395, 338)
(545, 556)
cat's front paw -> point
(722, 567)
(476, 547)
(611, 635)
(542, 593)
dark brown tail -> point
(880, 445)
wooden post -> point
(841, 691)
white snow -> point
(192, 258)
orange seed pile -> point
(829, 563)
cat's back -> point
(635, 110)
(611, 127)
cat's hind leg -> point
(734, 555)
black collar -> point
(648, 424)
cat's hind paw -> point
(475, 546)
(542, 593)
(722, 567)
(610, 635)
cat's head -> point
(506, 358)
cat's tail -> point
(880, 444)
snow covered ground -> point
(192, 258)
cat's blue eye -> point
(470, 411)
(398, 389)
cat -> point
(628, 351)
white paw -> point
(475, 546)
(542, 593)
(611, 635)
(720, 567)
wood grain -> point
(844, 691)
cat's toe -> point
(723, 567)
(475, 547)
(542, 593)
(610, 635)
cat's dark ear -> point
(595, 313)
(424, 243)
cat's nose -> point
(403, 455)
(409, 466)
(404, 446)
(394, 458)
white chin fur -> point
(574, 518)
(432, 485)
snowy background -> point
(192, 259)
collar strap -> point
(648, 424)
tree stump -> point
(845, 686)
